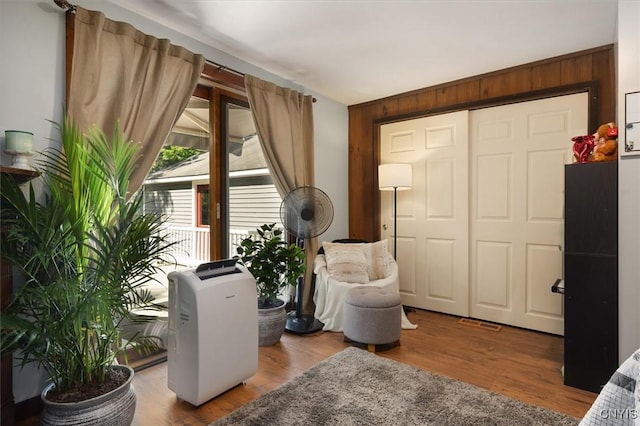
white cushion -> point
(378, 266)
(346, 262)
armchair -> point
(331, 287)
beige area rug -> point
(355, 387)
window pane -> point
(253, 198)
(203, 205)
(177, 188)
(173, 187)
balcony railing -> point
(192, 244)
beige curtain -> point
(121, 74)
(284, 122)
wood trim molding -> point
(221, 75)
(590, 87)
(70, 35)
(591, 70)
(467, 80)
(218, 181)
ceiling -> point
(354, 51)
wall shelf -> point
(20, 175)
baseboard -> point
(28, 408)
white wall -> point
(31, 92)
(32, 85)
(332, 164)
(31, 69)
(628, 70)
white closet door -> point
(433, 221)
(518, 153)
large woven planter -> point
(271, 322)
(114, 408)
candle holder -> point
(19, 145)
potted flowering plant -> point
(275, 265)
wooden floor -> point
(521, 364)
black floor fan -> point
(306, 212)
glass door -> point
(249, 196)
(212, 183)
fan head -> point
(306, 212)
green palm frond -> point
(86, 250)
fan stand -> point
(306, 212)
(297, 322)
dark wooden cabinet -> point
(6, 372)
(591, 274)
(7, 411)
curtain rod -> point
(64, 4)
(226, 68)
(221, 67)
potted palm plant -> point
(275, 265)
(86, 250)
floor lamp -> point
(394, 177)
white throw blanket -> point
(330, 294)
(618, 403)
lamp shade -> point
(394, 176)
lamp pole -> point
(395, 222)
(397, 177)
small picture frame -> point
(631, 125)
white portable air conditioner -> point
(213, 330)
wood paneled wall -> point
(590, 70)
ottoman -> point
(372, 316)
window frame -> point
(200, 189)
